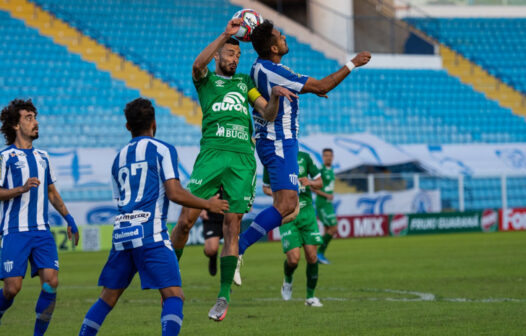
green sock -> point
(227, 268)
(326, 239)
(312, 279)
(178, 253)
(289, 271)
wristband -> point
(71, 222)
(350, 65)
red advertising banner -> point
(512, 219)
(363, 226)
(353, 227)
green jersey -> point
(327, 175)
(227, 121)
(307, 168)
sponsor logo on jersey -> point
(8, 265)
(243, 87)
(220, 83)
(137, 216)
(220, 131)
(128, 233)
(232, 101)
(233, 131)
(195, 181)
(20, 164)
(56, 263)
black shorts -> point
(213, 227)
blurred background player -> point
(212, 233)
(27, 183)
(145, 178)
(276, 141)
(302, 231)
(226, 158)
(324, 207)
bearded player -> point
(226, 158)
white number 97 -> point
(124, 181)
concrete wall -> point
(332, 20)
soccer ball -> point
(251, 19)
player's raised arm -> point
(176, 193)
(322, 86)
(269, 110)
(199, 68)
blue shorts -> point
(38, 247)
(156, 263)
(280, 157)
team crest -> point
(293, 179)
(20, 164)
(8, 266)
(243, 87)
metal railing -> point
(458, 193)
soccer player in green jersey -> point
(324, 207)
(302, 231)
(226, 158)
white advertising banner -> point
(354, 150)
(385, 203)
(471, 159)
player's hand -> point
(280, 91)
(204, 215)
(31, 182)
(233, 26)
(73, 231)
(361, 59)
(330, 197)
(217, 205)
(304, 181)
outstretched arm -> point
(269, 110)
(199, 67)
(315, 184)
(176, 193)
(323, 86)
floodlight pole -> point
(461, 193)
(504, 191)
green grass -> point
(373, 287)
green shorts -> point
(235, 172)
(326, 214)
(301, 231)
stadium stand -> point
(400, 106)
(484, 41)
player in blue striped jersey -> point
(276, 141)
(145, 178)
(26, 186)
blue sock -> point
(172, 316)
(4, 303)
(266, 221)
(44, 309)
(94, 318)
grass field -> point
(456, 284)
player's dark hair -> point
(140, 114)
(10, 117)
(262, 39)
(327, 150)
(232, 40)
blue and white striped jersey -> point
(139, 172)
(29, 211)
(267, 74)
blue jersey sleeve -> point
(281, 75)
(168, 163)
